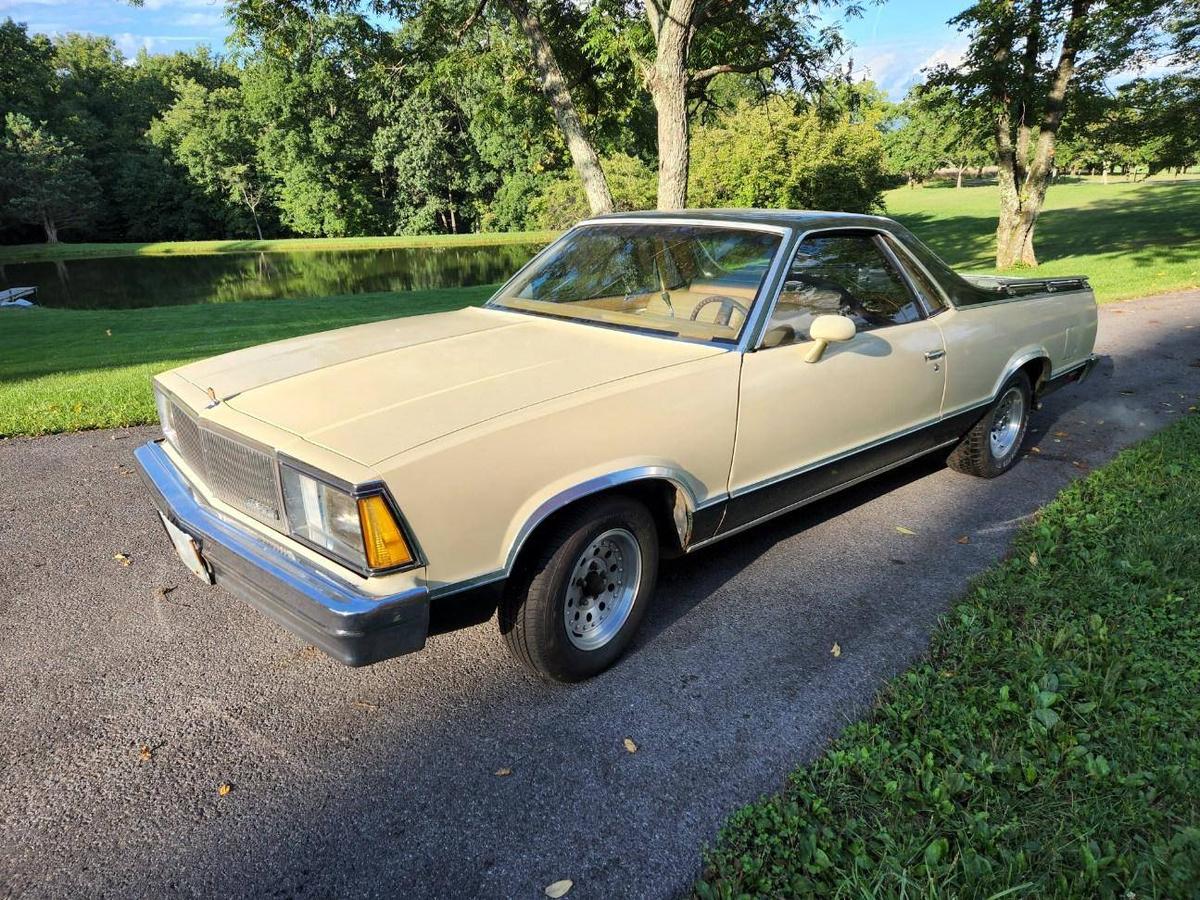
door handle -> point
(934, 354)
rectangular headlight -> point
(323, 515)
(361, 531)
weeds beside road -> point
(1049, 745)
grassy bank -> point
(19, 253)
(1050, 743)
(66, 370)
(1132, 239)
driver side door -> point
(805, 429)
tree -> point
(211, 134)
(933, 131)
(26, 73)
(46, 177)
(263, 18)
(679, 46)
(1023, 58)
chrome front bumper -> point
(353, 627)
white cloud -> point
(201, 20)
(951, 55)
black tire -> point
(533, 612)
(976, 454)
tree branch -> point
(725, 68)
(471, 20)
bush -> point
(562, 203)
(771, 155)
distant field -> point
(50, 252)
(1132, 239)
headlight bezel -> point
(162, 404)
(353, 492)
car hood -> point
(372, 391)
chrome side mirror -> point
(825, 329)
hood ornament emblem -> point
(212, 395)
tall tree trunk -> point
(669, 93)
(1024, 180)
(51, 229)
(958, 183)
(667, 81)
(554, 86)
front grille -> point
(187, 439)
(241, 475)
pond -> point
(138, 281)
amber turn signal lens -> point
(384, 542)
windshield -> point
(694, 281)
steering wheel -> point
(725, 313)
(847, 301)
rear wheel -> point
(990, 448)
(571, 611)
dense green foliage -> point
(66, 370)
(775, 155)
(1049, 744)
(323, 122)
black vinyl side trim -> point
(706, 521)
(761, 503)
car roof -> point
(800, 219)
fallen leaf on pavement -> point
(503, 773)
(363, 704)
(145, 753)
(902, 530)
(963, 540)
(122, 559)
(559, 888)
(630, 745)
(1035, 449)
(224, 788)
(1079, 464)
(1060, 434)
(837, 650)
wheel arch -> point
(667, 494)
(1034, 362)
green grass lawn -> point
(19, 253)
(1132, 239)
(1049, 744)
(66, 370)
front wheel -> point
(573, 609)
(990, 448)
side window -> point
(928, 290)
(846, 274)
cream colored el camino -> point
(648, 384)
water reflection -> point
(227, 278)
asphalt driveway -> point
(380, 781)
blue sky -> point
(893, 41)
